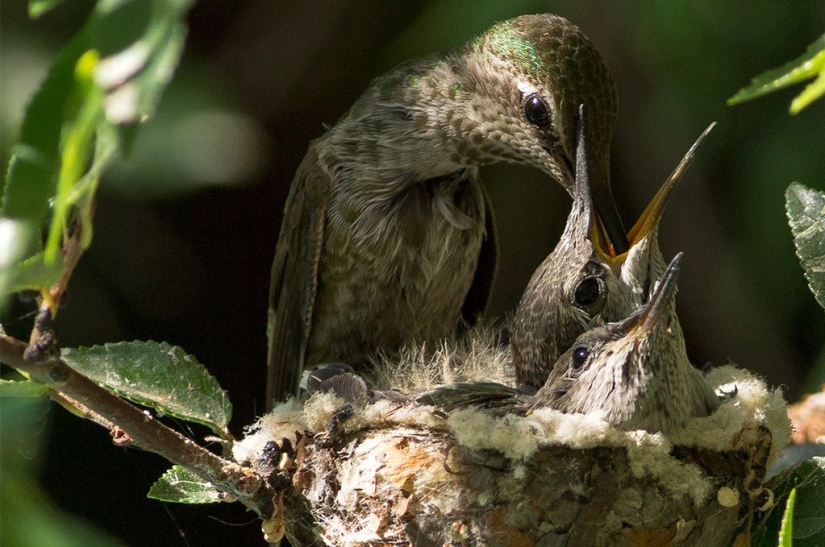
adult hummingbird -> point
(636, 372)
(584, 280)
(388, 236)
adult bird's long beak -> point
(648, 222)
(610, 221)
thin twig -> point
(49, 301)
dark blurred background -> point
(186, 227)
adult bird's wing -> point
(479, 293)
(294, 281)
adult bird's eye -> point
(535, 110)
(580, 355)
(587, 292)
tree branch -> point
(244, 484)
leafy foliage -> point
(107, 80)
(806, 215)
(808, 529)
(158, 375)
(786, 532)
(178, 485)
(808, 65)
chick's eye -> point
(587, 291)
(580, 355)
(535, 110)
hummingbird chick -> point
(636, 372)
(387, 236)
(584, 280)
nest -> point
(396, 473)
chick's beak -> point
(610, 222)
(642, 323)
(648, 222)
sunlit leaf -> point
(806, 215)
(105, 82)
(812, 92)
(33, 170)
(158, 375)
(810, 64)
(178, 485)
(32, 274)
(786, 532)
(76, 148)
(136, 70)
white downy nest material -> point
(390, 473)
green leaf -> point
(32, 273)
(22, 388)
(786, 532)
(39, 7)
(76, 148)
(808, 65)
(811, 93)
(806, 215)
(157, 375)
(138, 67)
(808, 479)
(32, 176)
(179, 485)
(105, 82)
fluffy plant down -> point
(388, 472)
